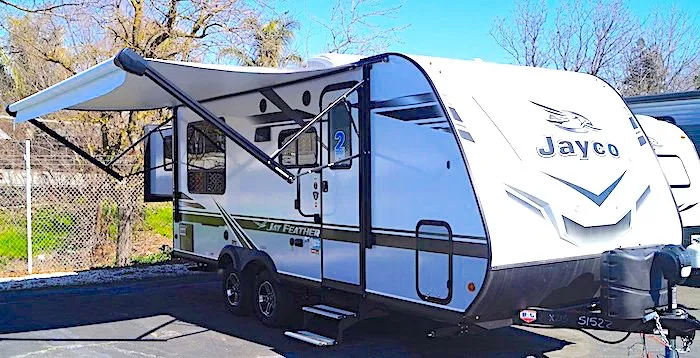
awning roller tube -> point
(131, 62)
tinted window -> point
(341, 137)
(301, 154)
(168, 152)
(206, 159)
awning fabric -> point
(106, 87)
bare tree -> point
(48, 43)
(645, 72)
(592, 37)
(44, 8)
(353, 28)
(677, 39)
(524, 36)
(598, 38)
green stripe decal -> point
(204, 220)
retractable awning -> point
(107, 87)
(129, 82)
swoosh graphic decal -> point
(236, 228)
(596, 198)
(688, 207)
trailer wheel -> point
(272, 301)
(236, 290)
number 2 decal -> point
(340, 137)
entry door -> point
(340, 242)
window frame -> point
(284, 134)
(347, 164)
(168, 149)
(188, 160)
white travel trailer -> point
(681, 165)
(476, 194)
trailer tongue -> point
(634, 282)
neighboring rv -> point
(681, 165)
(476, 194)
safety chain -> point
(687, 340)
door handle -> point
(324, 186)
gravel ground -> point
(91, 277)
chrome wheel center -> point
(266, 299)
(233, 290)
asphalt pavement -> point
(185, 317)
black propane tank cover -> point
(630, 283)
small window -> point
(303, 153)
(206, 159)
(340, 137)
(168, 152)
(674, 170)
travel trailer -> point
(475, 194)
(681, 165)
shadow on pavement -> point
(195, 301)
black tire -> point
(236, 290)
(272, 302)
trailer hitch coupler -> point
(672, 261)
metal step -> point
(330, 312)
(310, 337)
(336, 310)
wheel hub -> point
(266, 299)
(233, 290)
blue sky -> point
(446, 28)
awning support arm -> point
(76, 149)
(133, 63)
(132, 145)
(329, 165)
(315, 119)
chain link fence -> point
(79, 215)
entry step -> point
(330, 312)
(310, 337)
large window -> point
(301, 154)
(206, 159)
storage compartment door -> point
(434, 261)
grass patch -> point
(158, 218)
(150, 259)
(49, 231)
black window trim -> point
(283, 134)
(194, 128)
(167, 164)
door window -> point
(340, 121)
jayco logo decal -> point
(582, 149)
(575, 123)
(567, 120)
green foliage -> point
(150, 259)
(158, 218)
(270, 45)
(49, 231)
(110, 217)
(645, 72)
